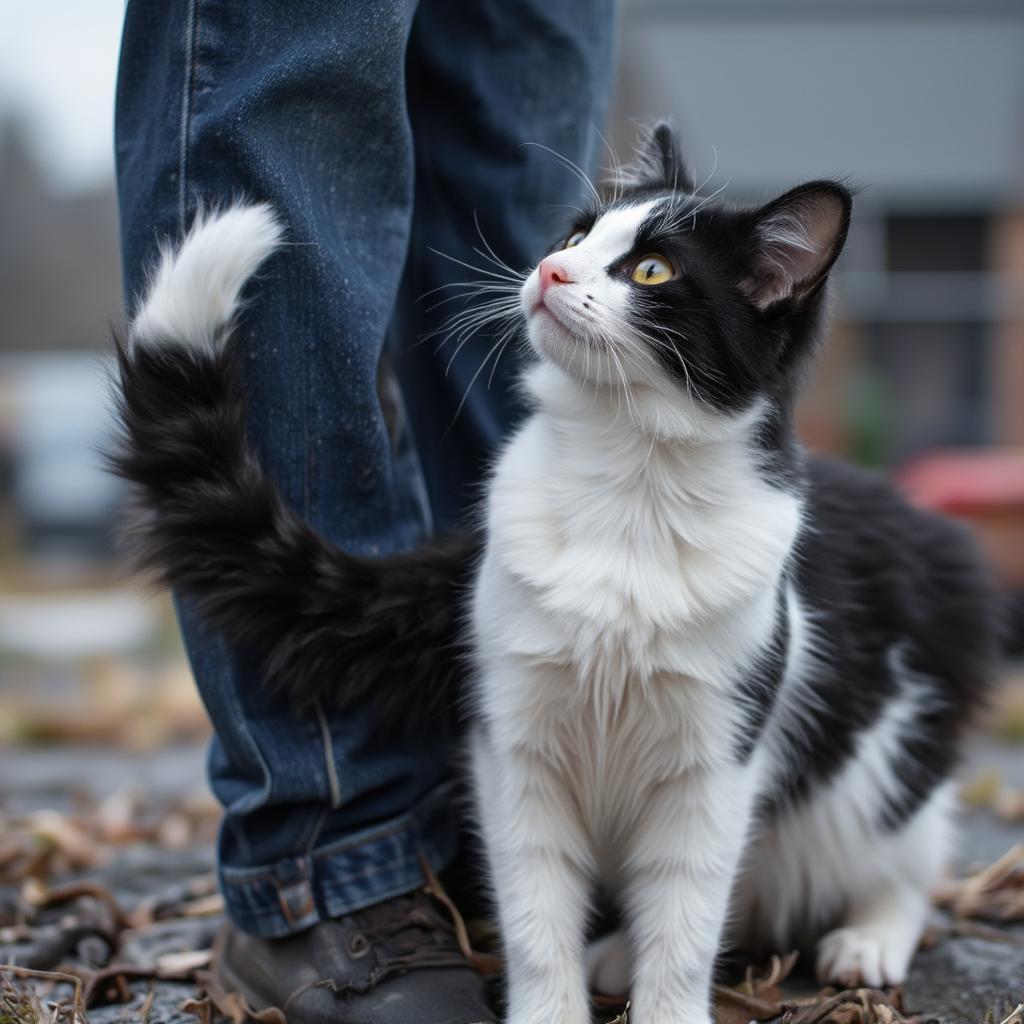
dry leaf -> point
(37, 894)
(965, 929)
(174, 832)
(65, 837)
(758, 997)
(116, 816)
(205, 906)
(733, 1007)
(201, 1008)
(995, 893)
(766, 985)
(233, 1005)
(851, 1006)
(177, 965)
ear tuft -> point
(656, 163)
(797, 239)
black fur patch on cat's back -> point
(899, 598)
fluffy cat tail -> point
(204, 518)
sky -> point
(58, 65)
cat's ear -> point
(657, 162)
(795, 242)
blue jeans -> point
(377, 129)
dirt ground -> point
(139, 828)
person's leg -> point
(490, 83)
(301, 105)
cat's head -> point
(656, 287)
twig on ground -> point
(169, 967)
(147, 1006)
(995, 893)
(39, 895)
(78, 1003)
(969, 930)
(202, 1009)
(233, 1005)
(852, 1006)
(623, 1018)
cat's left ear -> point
(796, 240)
(657, 162)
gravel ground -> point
(957, 981)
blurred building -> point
(920, 105)
(60, 287)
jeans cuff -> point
(330, 881)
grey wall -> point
(923, 103)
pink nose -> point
(552, 273)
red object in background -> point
(984, 486)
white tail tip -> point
(196, 287)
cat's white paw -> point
(855, 956)
(609, 964)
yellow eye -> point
(574, 239)
(652, 270)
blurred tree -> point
(59, 269)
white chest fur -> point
(630, 577)
(621, 556)
(629, 583)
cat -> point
(718, 678)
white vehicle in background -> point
(54, 422)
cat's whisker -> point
(714, 169)
(469, 337)
(469, 289)
(499, 344)
(493, 256)
(625, 391)
(495, 305)
(506, 338)
(571, 166)
(498, 263)
(461, 327)
(462, 340)
(468, 297)
(454, 325)
(471, 283)
(513, 277)
(583, 214)
(692, 214)
(615, 170)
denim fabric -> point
(378, 131)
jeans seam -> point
(187, 93)
(332, 768)
(332, 779)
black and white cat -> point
(717, 678)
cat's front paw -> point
(860, 956)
